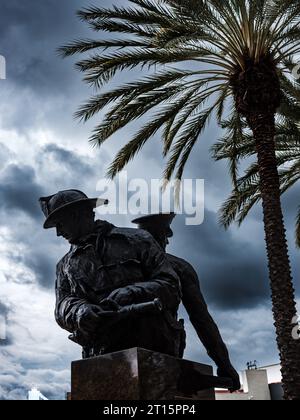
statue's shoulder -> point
(182, 266)
(73, 251)
(134, 235)
(60, 267)
(62, 262)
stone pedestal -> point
(138, 374)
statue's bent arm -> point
(205, 326)
(161, 281)
(67, 303)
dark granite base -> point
(138, 374)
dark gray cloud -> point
(5, 155)
(233, 273)
(12, 390)
(30, 34)
(19, 190)
(3, 309)
(72, 162)
(55, 168)
(43, 266)
(7, 338)
(63, 169)
(41, 27)
(19, 186)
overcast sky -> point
(43, 150)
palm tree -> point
(236, 146)
(205, 58)
(241, 201)
(246, 192)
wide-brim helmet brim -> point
(52, 219)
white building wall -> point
(255, 386)
(274, 374)
(258, 386)
(237, 396)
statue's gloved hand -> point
(121, 297)
(92, 318)
(230, 372)
(87, 318)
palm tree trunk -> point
(283, 294)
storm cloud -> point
(233, 274)
(43, 150)
(17, 187)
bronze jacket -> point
(114, 259)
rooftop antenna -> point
(252, 365)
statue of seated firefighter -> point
(116, 288)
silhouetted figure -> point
(115, 288)
(159, 225)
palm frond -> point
(129, 151)
(239, 204)
(82, 46)
(184, 145)
(209, 42)
(246, 193)
(124, 113)
(298, 229)
(234, 145)
(130, 91)
(100, 69)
